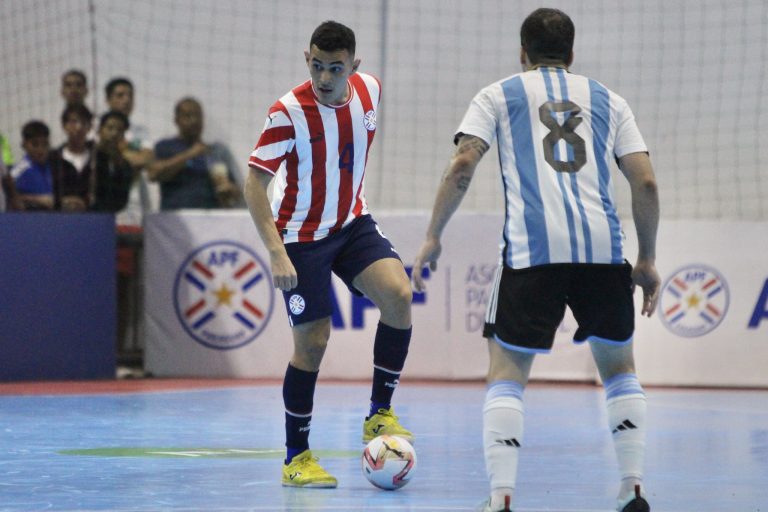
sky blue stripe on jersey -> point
(533, 207)
(560, 178)
(601, 117)
(575, 183)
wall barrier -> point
(57, 296)
(211, 309)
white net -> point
(694, 72)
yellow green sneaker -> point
(304, 471)
(384, 422)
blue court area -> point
(220, 450)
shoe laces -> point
(387, 412)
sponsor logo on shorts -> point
(370, 120)
(694, 300)
(223, 295)
(296, 304)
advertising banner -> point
(211, 309)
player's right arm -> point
(638, 170)
(454, 185)
(283, 272)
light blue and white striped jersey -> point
(557, 133)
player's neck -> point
(336, 103)
(560, 65)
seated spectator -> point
(192, 173)
(38, 176)
(74, 87)
(106, 182)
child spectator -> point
(77, 121)
(103, 186)
(38, 176)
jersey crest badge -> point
(370, 120)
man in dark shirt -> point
(192, 173)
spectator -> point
(37, 177)
(6, 155)
(136, 149)
(192, 173)
(74, 87)
(105, 184)
(9, 199)
(77, 121)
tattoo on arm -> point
(471, 143)
(472, 148)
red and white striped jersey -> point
(317, 154)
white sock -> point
(502, 437)
(626, 418)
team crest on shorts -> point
(223, 295)
(694, 300)
(370, 120)
(296, 304)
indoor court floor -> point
(189, 445)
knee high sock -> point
(390, 348)
(627, 407)
(298, 397)
(502, 436)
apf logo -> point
(694, 300)
(223, 295)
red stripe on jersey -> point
(288, 203)
(315, 126)
(277, 134)
(365, 98)
(346, 165)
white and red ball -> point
(388, 462)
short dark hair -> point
(182, 101)
(331, 35)
(113, 114)
(112, 84)
(75, 72)
(34, 129)
(80, 111)
(547, 34)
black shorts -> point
(346, 253)
(527, 305)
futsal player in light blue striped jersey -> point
(557, 134)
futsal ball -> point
(388, 462)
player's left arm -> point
(638, 170)
(454, 185)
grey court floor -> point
(220, 449)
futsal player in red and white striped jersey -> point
(314, 147)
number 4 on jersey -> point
(347, 158)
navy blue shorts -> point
(528, 305)
(346, 253)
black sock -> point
(390, 348)
(298, 394)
